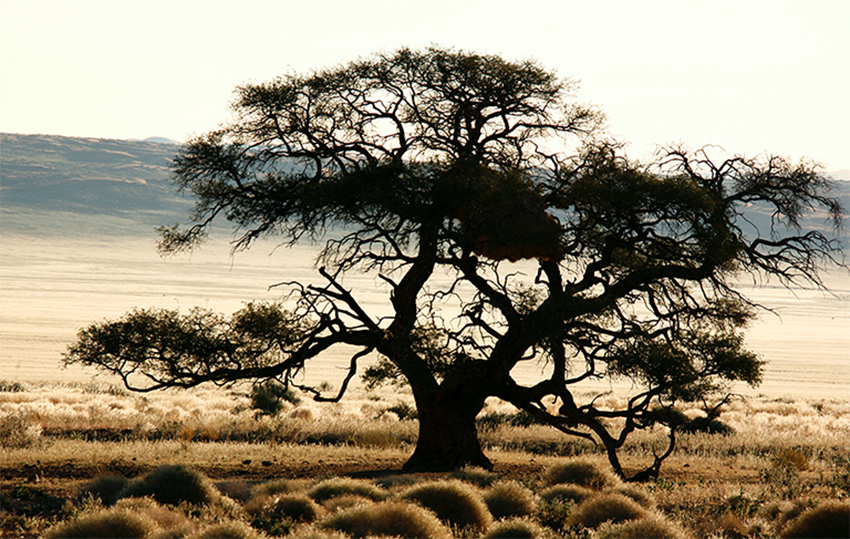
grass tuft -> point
(476, 475)
(106, 523)
(105, 488)
(581, 472)
(516, 528)
(567, 492)
(830, 519)
(233, 529)
(648, 527)
(454, 502)
(394, 519)
(340, 486)
(614, 508)
(173, 485)
(509, 499)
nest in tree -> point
(507, 220)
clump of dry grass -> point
(172, 523)
(509, 499)
(340, 486)
(233, 529)
(106, 523)
(515, 528)
(454, 502)
(173, 485)
(292, 507)
(647, 527)
(19, 431)
(394, 519)
(829, 519)
(476, 476)
(636, 493)
(613, 508)
(567, 492)
(106, 488)
(581, 472)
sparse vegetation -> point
(740, 483)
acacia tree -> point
(557, 249)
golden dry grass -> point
(784, 458)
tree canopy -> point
(443, 161)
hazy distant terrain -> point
(55, 186)
(61, 185)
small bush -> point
(509, 499)
(339, 486)
(105, 488)
(387, 519)
(233, 529)
(268, 398)
(612, 508)
(648, 527)
(830, 519)
(403, 411)
(583, 473)
(107, 523)
(567, 492)
(454, 502)
(173, 485)
(517, 528)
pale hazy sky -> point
(750, 76)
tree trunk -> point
(448, 436)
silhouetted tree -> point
(451, 163)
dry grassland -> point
(780, 459)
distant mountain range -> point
(63, 185)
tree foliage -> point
(558, 249)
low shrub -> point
(612, 508)
(509, 499)
(517, 528)
(829, 519)
(173, 485)
(648, 527)
(581, 472)
(339, 486)
(268, 398)
(106, 523)
(454, 502)
(105, 488)
(395, 519)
